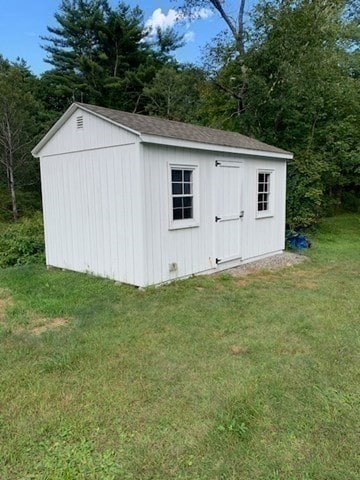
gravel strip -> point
(283, 260)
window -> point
(182, 196)
(264, 200)
(182, 193)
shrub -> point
(351, 201)
(28, 203)
(23, 242)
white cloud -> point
(189, 37)
(161, 20)
(202, 13)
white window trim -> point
(186, 222)
(270, 212)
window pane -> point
(187, 201)
(177, 188)
(188, 213)
(176, 175)
(181, 185)
(187, 175)
(177, 214)
(263, 191)
(177, 202)
(188, 188)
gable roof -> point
(159, 127)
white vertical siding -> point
(194, 249)
(95, 134)
(264, 235)
(190, 248)
(92, 212)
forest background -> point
(288, 75)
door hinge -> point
(217, 260)
(241, 214)
(217, 219)
(217, 163)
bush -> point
(350, 201)
(28, 203)
(23, 242)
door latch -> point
(217, 219)
(241, 214)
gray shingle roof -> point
(183, 131)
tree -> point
(174, 93)
(224, 8)
(102, 55)
(303, 96)
(98, 54)
(18, 109)
(296, 86)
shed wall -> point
(92, 212)
(263, 235)
(194, 250)
(95, 134)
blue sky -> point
(22, 22)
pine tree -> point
(97, 53)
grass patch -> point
(200, 379)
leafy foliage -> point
(99, 55)
(290, 77)
(296, 86)
(174, 93)
(20, 125)
(22, 243)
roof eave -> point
(174, 142)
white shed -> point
(144, 200)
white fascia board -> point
(174, 142)
(36, 150)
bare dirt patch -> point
(238, 350)
(5, 302)
(45, 324)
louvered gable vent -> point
(80, 121)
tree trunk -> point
(12, 189)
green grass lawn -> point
(208, 378)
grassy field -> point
(208, 378)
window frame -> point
(270, 210)
(184, 222)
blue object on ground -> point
(298, 241)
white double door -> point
(229, 213)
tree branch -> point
(236, 30)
